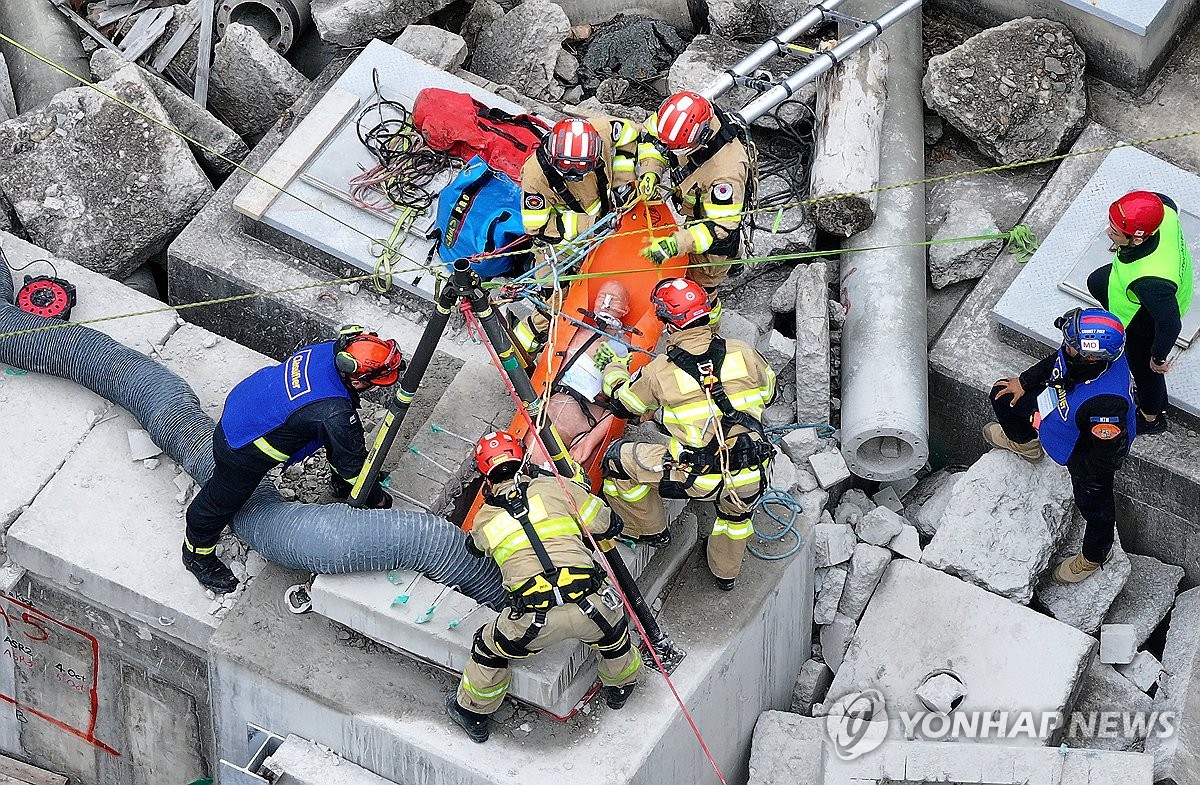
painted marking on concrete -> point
(29, 632)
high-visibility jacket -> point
(555, 210)
(1058, 409)
(712, 198)
(690, 416)
(501, 536)
(1171, 261)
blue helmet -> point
(1093, 332)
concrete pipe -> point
(279, 22)
(885, 360)
(38, 25)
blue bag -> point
(478, 213)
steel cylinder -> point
(279, 22)
(885, 358)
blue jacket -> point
(1060, 425)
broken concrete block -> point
(907, 543)
(965, 260)
(783, 472)
(1118, 643)
(835, 640)
(1177, 757)
(55, 157)
(438, 47)
(354, 22)
(1003, 522)
(887, 497)
(812, 343)
(941, 693)
(253, 84)
(866, 568)
(847, 513)
(811, 685)
(788, 749)
(521, 48)
(921, 621)
(833, 543)
(8, 102)
(927, 501)
(1083, 605)
(1105, 690)
(778, 350)
(1147, 596)
(859, 499)
(805, 482)
(736, 327)
(879, 526)
(829, 468)
(185, 114)
(1143, 672)
(830, 583)
(778, 415)
(141, 446)
(800, 443)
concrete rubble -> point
(835, 640)
(834, 543)
(830, 582)
(521, 48)
(55, 156)
(941, 693)
(253, 84)
(434, 45)
(1016, 90)
(355, 22)
(1143, 672)
(1004, 521)
(811, 685)
(830, 468)
(1105, 690)
(1118, 643)
(866, 569)
(926, 504)
(951, 262)
(631, 47)
(1084, 605)
(1177, 756)
(812, 343)
(1147, 596)
(880, 526)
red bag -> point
(463, 127)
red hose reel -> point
(46, 296)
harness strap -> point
(729, 131)
(559, 185)
(516, 504)
(706, 370)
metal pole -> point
(467, 284)
(777, 45)
(823, 62)
(885, 371)
(398, 406)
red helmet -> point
(497, 448)
(368, 358)
(683, 120)
(1136, 214)
(573, 148)
(680, 301)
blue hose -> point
(782, 499)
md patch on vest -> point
(1106, 431)
(534, 201)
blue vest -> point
(1058, 430)
(263, 401)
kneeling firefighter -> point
(712, 393)
(556, 592)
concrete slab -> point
(300, 762)
(1126, 41)
(48, 416)
(1177, 757)
(389, 716)
(1005, 654)
(109, 528)
(1158, 489)
(1147, 596)
(1054, 280)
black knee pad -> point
(611, 464)
(484, 655)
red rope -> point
(473, 322)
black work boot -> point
(726, 584)
(210, 571)
(474, 723)
(615, 697)
(659, 540)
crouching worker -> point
(1077, 405)
(712, 393)
(283, 414)
(577, 406)
(532, 530)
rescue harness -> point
(559, 185)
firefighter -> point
(556, 592)
(283, 414)
(712, 393)
(1148, 286)
(710, 170)
(579, 173)
(1077, 405)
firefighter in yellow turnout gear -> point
(712, 393)
(556, 592)
(582, 170)
(710, 169)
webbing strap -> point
(516, 504)
(709, 378)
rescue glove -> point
(624, 194)
(606, 354)
(661, 249)
(648, 186)
(615, 374)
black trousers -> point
(236, 474)
(1139, 340)
(1095, 496)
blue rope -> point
(778, 497)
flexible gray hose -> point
(318, 538)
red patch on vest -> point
(1106, 431)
